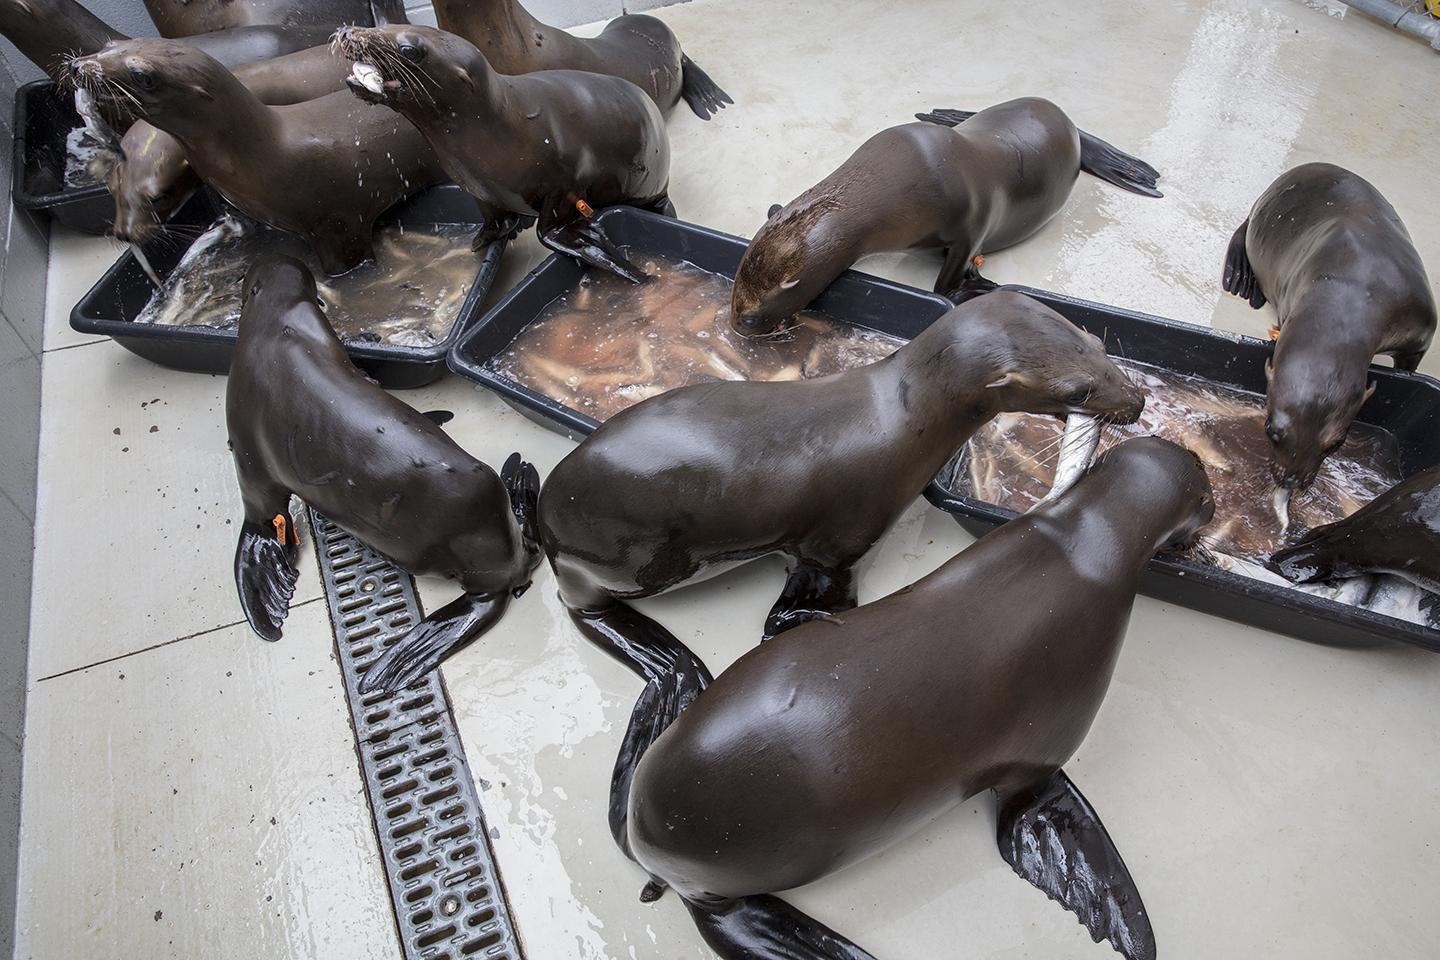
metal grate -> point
(449, 904)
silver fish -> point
(1077, 452)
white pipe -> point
(1402, 18)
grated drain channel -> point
(448, 901)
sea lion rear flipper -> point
(522, 483)
(586, 242)
(811, 592)
(1100, 159)
(265, 573)
(448, 630)
(946, 118)
(1239, 277)
(703, 95)
(1051, 836)
(768, 928)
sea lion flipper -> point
(960, 279)
(1239, 277)
(438, 417)
(522, 483)
(265, 573)
(1113, 165)
(448, 630)
(946, 118)
(586, 242)
(702, 94)
(768, 928)
(1051, 836)
(811, 592)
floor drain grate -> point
(443, 881)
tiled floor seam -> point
(72, 346)
(166, 643)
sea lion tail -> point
(1100, 159)
(702, 94)
(1051, 836)
(768, 928)
(946, 118)
(447, 631)
(265, 574)
(1239, 277)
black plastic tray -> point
(111, 306)
(855, 298)
(43, 119)
(1406, 404)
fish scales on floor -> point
(738, 423)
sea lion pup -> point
(640, 48)
(304, 421)
(323, 169)
(847, 734)
(186, 18)
(1396, 533)
(149, 176)
(555, 145)
(1330, 252)
(969, 183)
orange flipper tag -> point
(281, 526)
(978, 260)
(1274, 333)
(585, 209)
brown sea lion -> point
(555, 145)
(149, 176)
(323, 169)
(1330, 252)
(186, 18)
(305, 421)
(990, 182)
(640, 48)
(1397, 533)
(848, 733)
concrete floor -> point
(192, 792)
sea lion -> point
(555, 145)
(846, 734)
(186, 18)
(149, 176)
(640, 48)
(1330, 252)
(990, 182)
(1397, 533)
(323, 169)
(51, 32)
(304, 421)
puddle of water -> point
(610, 343)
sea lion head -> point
(785, 267)
(1156, 472)
(403, 66)
(1040, 362)
(147, 184)
(1311, 403)
(277, 281)
(145, 77)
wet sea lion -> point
(555, 145)
(640, 48)
(1330, 252)
(186, 18)
(323, 169)
(50, 32)
(846, 734)
(967, 182)
(304, 421)
(1397, 533)
(149, 176)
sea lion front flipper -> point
(438, 417)
(946, 118)
(1239, 277)
(960, 279)
(768, 928)
(448, 630)
(1051, 836)
(811, 591)
(702, 94)
(586, 242)
(1113, 165)
(265, 573)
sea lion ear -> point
(1009, 378)
(1369, 392)
(201, 91)
(792, 283)
(774, 209)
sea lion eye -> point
(1077, 397)
(143, 78)
(411, 52)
